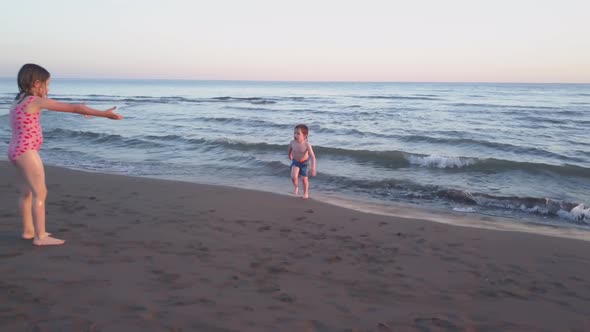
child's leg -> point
(305, 181)
(31, 169)
(295, 178)
(25, 205)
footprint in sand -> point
(384, 327)
(334, 259)
(425, 323)
(284, 297)
(10, 254)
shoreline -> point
(148, 254)
(404, 210)
(461, 219)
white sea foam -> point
(440, 161)
(468, 209)
(578, 213)
(534, 209)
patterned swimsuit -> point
(26, 130)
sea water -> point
(520, 151)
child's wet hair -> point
(28, 75)
(303, 128)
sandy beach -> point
(155, 255)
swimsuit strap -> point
(25, 101)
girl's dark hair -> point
(303, 128)
(27, 76)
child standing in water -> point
(301, 153)
(27, 138)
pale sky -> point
(304, 40)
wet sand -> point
(155, 255)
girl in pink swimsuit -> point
(27, 138)
(26, 130)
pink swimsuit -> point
(26, 130)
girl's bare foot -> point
(47, 241)
(296, 191)
(305, 195)
(32, 236)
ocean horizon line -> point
(306, 81)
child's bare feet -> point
(32, 236)
(306, 196)
(47, 241)
(296, 191)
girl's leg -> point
(31, 170)
(25, 204)
(295, 178)
(305, 181)
(25, 201)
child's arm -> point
(291, 151)
(53, 105)
(312, 157)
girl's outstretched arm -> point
(53, 105)
(312, 157)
